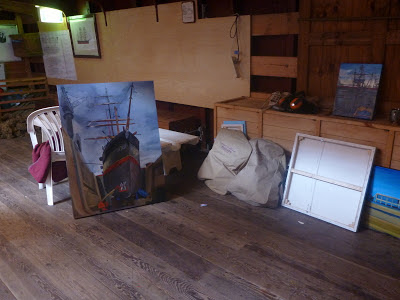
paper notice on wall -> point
(57, 54)
(6, 48)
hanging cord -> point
(102, 9)
(235, 34)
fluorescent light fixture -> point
(50, 15)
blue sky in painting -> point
(86, 100)
(347, 70)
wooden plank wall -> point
(273, 60)
(189, 63)
(342, 31)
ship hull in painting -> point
(121, 165)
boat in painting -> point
(121, 161)
(121, 165)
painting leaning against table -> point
(357, 89)
(112, 145)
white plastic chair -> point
(48, 119)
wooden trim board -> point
(274, 66)
(275, 24)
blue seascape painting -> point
(357, 90)
(112, 145)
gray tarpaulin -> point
(251, 170)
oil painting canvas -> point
(112, 145)
(357, 89)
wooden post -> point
(304, 33)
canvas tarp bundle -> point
(227, 157)
(259, 182)
(251, 170)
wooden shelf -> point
(281, 127)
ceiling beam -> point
(18, 7)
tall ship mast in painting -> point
(121, 161)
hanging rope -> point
(234, 34)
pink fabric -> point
(41, 158)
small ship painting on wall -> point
(357, 89)
(112, 145)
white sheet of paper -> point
(57, 54)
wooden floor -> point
(179, 249)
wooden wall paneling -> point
(395, 164)
(390, 84)
(394, 12)
(273, 61)
(303, 47)
(255, 7)
(293, 122)
(282, 132)
(274, 66)
(274, 45)
(395, 161)
(314, 71)
(281, 128)
(396, 154)
(269, 84)
(260, 95)
(379, 41)
(363, 27)
(361, 132)
(15, 69)
(275, 24)
(331, 58)
(378, 49)
(389, 149)
(393, 37)
(189, 63)
(340, 38)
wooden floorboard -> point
(179, 249)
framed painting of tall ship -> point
(357, 90)
(112, 145)
(84, 36)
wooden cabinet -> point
(240, 109)
(281, 128)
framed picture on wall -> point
(84, 37)
(188, 12)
